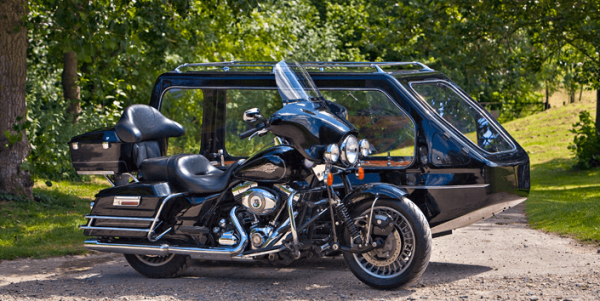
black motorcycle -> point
(278, 206)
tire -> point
(409, 257)
(170, 266)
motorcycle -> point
(278, 206)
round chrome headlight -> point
(350, 151)
(365, 147)
(332, 154)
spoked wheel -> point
(406, 239)
(155, 261)
(159, 266)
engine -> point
(257, 200)
(265, 205)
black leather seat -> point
(144, 126)
(144, 123)
(186, 172)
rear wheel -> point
(169, 266)
(406, 245)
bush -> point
(587, 142)
(49, 128)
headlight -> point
(350, 151)
(332, 154)
(365, 147)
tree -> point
(464, 39)
(554, 24)
(13, 69)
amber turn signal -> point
(329, 179)
(361, 173)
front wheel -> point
(169, 266)
(406, 244)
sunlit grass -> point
(48, 227)
(562, 199)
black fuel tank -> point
(276, 164)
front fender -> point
(372, 190)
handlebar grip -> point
(248, 133)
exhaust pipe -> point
(221, 254)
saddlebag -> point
(126, 211)
(102, 152)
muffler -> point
(220, 253)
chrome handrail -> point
(152, 227)
(263, 64)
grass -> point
(48, 227)
(562, 200)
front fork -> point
(335, 206)
(359, 246)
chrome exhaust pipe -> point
(220, 253)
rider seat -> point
(187, 172)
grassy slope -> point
(50, 227)
(562, 200)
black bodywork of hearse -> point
(458, 185)
(453, 181)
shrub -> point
(587, 142)
(49, 128)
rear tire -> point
(406, 251)
(169, 266)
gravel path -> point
(500, 258)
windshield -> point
(294, 82)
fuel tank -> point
(310, 126)
(280, 163)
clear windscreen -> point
(294, 83)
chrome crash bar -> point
(219, 253)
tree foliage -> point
(503, 53)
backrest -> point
(144, 123)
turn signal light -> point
(329, 179)
(361, 173)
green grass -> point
(562, 200)
(48, 227)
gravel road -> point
(500, 258)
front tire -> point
(406, 251)
(169, 266)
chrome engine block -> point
(257, 200)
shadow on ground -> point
(111, 277)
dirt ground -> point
(500, 258)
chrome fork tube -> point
(290, 205)
(369, 226)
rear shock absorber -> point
(342, 212)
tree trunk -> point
(69, 83)
(547, 105)
(13, 75)
(598, 111)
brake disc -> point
(388, 253)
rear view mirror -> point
(252, 115)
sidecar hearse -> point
(366, 142)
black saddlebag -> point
(126, 211)
(102, 152)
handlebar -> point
(248, 133)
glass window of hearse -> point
(387, 95)
(469, 101)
